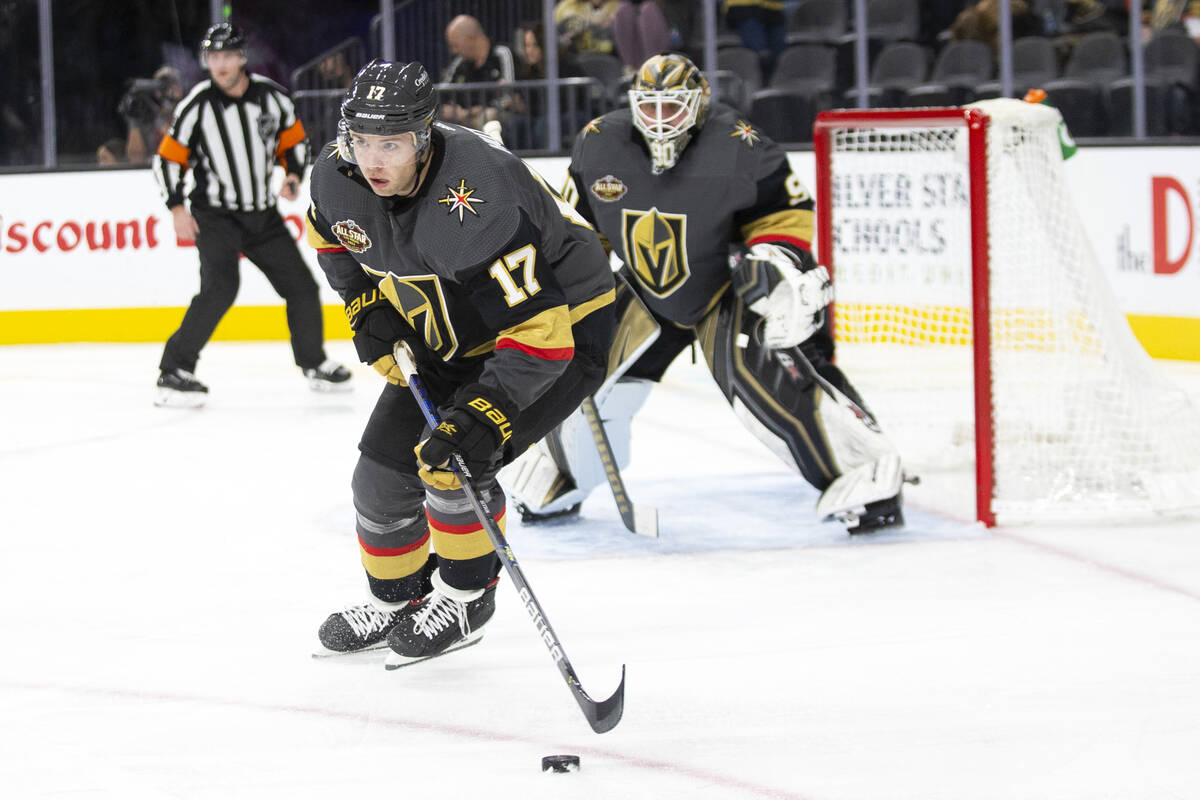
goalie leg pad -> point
(562, 469)
(775, 400)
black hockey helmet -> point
(387, 98)
(223, 36)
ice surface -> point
(163, 573)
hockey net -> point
(974, 318)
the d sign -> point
(1160, 187)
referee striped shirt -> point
(231, 145)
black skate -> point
(178, 388)
(448, 619)
(528, 517)
(362, 628)
(329, 377)
(877, 516)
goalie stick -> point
(602, 715)
(638, 519)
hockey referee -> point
(230, 131)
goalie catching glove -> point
(376, 327)
(788, 291)
(477, 426)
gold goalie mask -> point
(669, 99)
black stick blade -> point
(604, 715)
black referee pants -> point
(264, 239)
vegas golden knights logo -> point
(656, 248)
(421, 302)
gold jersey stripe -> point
(577, 313)
(315, 240)
(547, 330)
(796, 223)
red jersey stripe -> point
(547, 353)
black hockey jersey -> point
(484, 262)
(731, 185)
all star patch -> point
(592, 127)
(352, 236)
(460, 200)
(609, 189)
(745, 131)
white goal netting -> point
(1083, 424)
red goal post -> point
(975, 123)
(972, 314)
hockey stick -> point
(601, 715)
(638, 519)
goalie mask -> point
(387, 115)
(669, 100)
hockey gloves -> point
(788, 291)
(478, 425)
(377, 326)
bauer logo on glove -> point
(495, 415)
(476, 426)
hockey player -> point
(438, 237)
(673, 183)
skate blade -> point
(395, 661)
(325, 652)
(325, 387)
(170, 398)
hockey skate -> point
(866, 498)
(569, 514)
(329, 377)
(448, 619)
(178, 388)
(362, 628)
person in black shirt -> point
(476, 60)
(230, 131)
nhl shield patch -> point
(609, 189)
(267, 126)
(352, 236)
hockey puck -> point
(560, 763)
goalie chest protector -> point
(673, 230)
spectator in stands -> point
(981, 22)
(762, 28)
(147, 108)
(527, 127)
(334, 72)
(640, 30)
(111, 152)
(586, 26)
(476, 60)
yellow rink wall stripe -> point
(1163, 337)
(242, 323)
(1167, 337)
